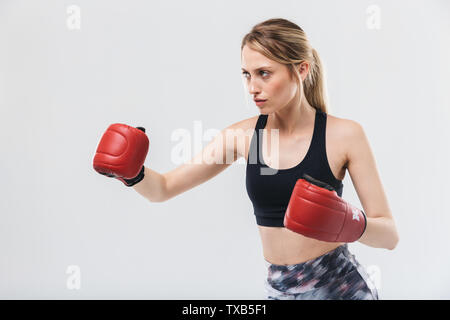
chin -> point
(264, 111)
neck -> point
(294, 117)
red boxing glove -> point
(121, 153)
(316, 211)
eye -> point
(263, 73)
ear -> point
(303, 68)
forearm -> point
(380, 233)
(152, 187)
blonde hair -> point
(285, 42)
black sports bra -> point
(270, 189)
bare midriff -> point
(282, 246)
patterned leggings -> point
(336, 275)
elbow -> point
(162, 197)
(392, 247)
(394, 238)
(158, 199)
(394, 242)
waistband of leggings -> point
(333, 253)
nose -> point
(253, 89)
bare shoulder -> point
(245, 124)
(346, 135)
(243, 130)
(344, 128)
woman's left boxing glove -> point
(121, 153)
(316, 211)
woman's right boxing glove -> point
(121, 153)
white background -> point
(164, 65)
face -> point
(270, 80)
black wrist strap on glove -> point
(140, 176)
(133, 181)
(317, 182)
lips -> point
(259, 100)
(260, 103)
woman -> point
(292, 136)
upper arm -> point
(361, 165)
(218, 155)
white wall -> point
(162, 65)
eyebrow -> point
(260, 68)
